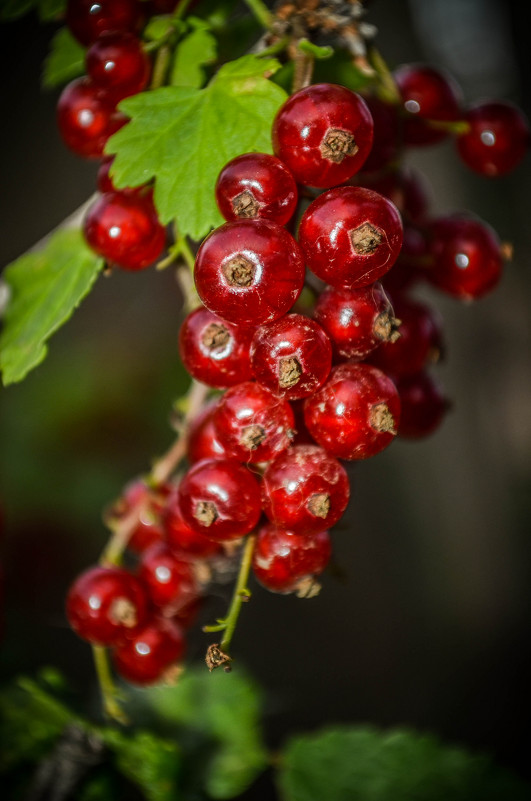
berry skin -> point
(387, 133)
(169, 579)
(249, 271)
(149, 504)
(88, 20)
(203, 442)
(356, 414)
(407, 188)
(155, 648)
(256, 185)
(118, 65)
(124, 229)
(498, 138)
(283, 560)
(253, 424)
(214, 351)
(180, 537)
(412, 262)
(305, 489)
(220, 499)
(427, 94)
(356, 320)
(350, 236)
(323, 134)
(106, 605)
(86, 118)
(292, 356)
(420, 342)
(423, 403)
(466, 253)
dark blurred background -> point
(430, 625)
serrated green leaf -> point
(363, 764)
(225, 709)
(45, 287)
(150, 762)
(66, 60)
(193, 52)
(183, 137)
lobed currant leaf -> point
(45, 287)
(183, 136)
(152, 763)
(66, 60)
(193, 53)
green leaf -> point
(66, 60)
(183, 136)
(160, 27)
(150, 762)
(225, 709)
(363, 764)
(194, 51)
(45, 287)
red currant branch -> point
(261, 12)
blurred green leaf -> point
(66, 60)
(48, 10)
(46, 287)
(150, 762)
(193, 52)
(363, 764)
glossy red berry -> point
(155, 649)
(89, 19)
(323, 134)
(86, 118)
(423, 403)
(220, 499)
(350, 236)
(256, 185)
(466, 254)
(148, 503)
(169, 578)
(497, 140)
(387, 135)
(118, 65)
(286, 562)
(357, 412)
(412, 263)
(305, 489)
(253, 424)
(427, 94)
(407, 188)
(356, 320)
(420, 342)
(203, 442)
(105, 605)
(180, 537)
(292, 356)
(124, 229)
(249, 271)
(215, 351)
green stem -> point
(181, 9)
(387, 89)
(241, 593)
(260, 12)
(160, 67)
(108, 690)
(276, 47)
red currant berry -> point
(427, 94)
(302, 435)
(256, 185)
(169, 578)
(356, 414)
(220, 499)
(249, 271)
(467, 258)
(323, 134)
(292, 356)
(412, 262)
(305, 489)
(117, 64)
(497, 140)
(203, 442)
(148, 504)
(356, 320)
(104, 605)
(350, 236)
(253, 424)
(423, 403)
(86, 118)
(407, 188)
(214, 351)
(387, 134)
(124, 229)
(88, 20)
(420, 342)
(180, 537)
(146, 658)
(285, 562)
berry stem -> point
(386, 87)
(160, 67)
(261, 12)
(109, 692)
